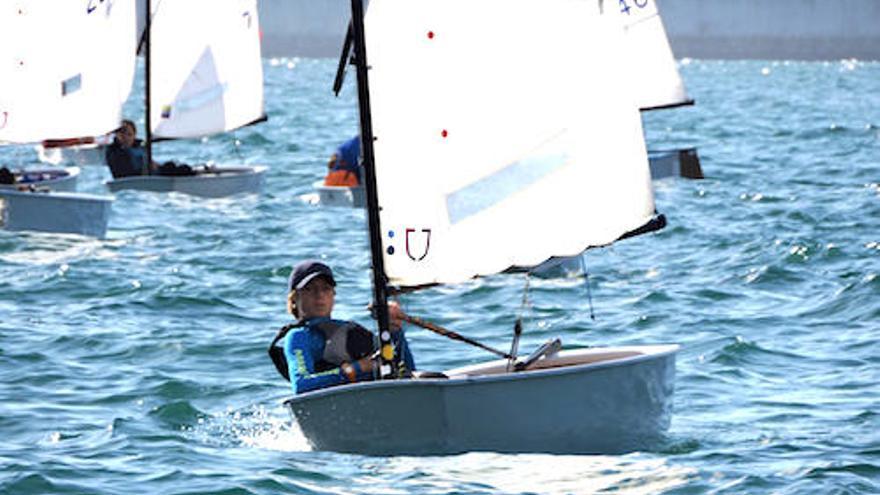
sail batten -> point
(207, 75)
(65, 69)
(487, 147)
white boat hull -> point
(602, 400)
(55, 179)
(56, 212)
(217, 182)
(351, 197)
(675, 163)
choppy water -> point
(137, 364)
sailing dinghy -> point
(348, 197)
(61, 90)
(203, 76)
(512, 142)
(55, 179)
(651, 63)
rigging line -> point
(141, 39)
(427, 325)
(587, 285)
(517, 327)
(343, 60)
(148, 134)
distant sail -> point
(655, 77)
(500, 150)
(207, 75)
(66, 68)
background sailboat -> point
(204, 76)
(508, 152)
(55, 179)
(657, 83)
(67, 69)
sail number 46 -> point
(625, 8)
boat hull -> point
(55, 179)
(675, 163)
(55, 212)
(609, 400)
(218, 182)
(351, 197)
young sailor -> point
(344, 167)
(318, 351)
(125, 156)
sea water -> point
(137, 364)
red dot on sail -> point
(444, 133)
(430, 35)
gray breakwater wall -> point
(733, 29)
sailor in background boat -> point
(318, 351)
(344, 167)
(125, 156)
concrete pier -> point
(731, 29)
(777, 29)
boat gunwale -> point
(219, 172)
(67, 195)
(57, 175)
(646, 353)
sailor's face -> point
(316, 299)
(125, 136)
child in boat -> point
(125, 156)
(344, 167)
(318, 351)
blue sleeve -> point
(403, 346)
(300, 350)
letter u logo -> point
(411, 243)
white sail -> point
(504, 135)
(66, 67)
(654, 73)
(206, 72)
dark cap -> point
(304, 271)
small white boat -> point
(67, 92)
(209, 182)
(590, 401)
(505, 156)
(55, 212)
(55, 179)
(202, 78)
(350, 197)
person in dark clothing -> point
(318, 351)
(125, 156)
(344, 168)
(6, 176)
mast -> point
(148, 141)
(380, 289)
